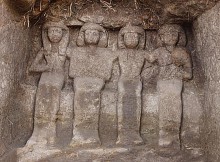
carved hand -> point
(151, 57)
(187, 74)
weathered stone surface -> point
(192, 117)
(108, 126)
(14, 50)
(10, 156)
(116, 14)
(22, 5)
(206, 31)
(50, 62)
(170, 112)
(90, 66)
(86, 110)
(131, 41)
(116, 92)
(25, 101)
(64, 124)
(175, 65)
(149, 121)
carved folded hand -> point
(187, 74)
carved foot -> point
(29, 147)
(35, 143)
(91, 142)
(168, 152)
(132, 139)
(168, 147)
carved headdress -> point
(131, 29)
(63, 42)
(103, 41)
(173, 28)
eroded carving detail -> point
(131, 42)
(49, 62)
(90, 66)
(175, 66)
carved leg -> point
(47, 106)
(129, 112)
(170, 112)
(86, 110)
(2, 145)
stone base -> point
(118, 154)
(38, 153)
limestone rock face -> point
(206, 30)
(109, 80)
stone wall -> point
(207, 36)
(13, 56)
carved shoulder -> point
(181, 57)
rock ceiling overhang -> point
(115, 13)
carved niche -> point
(91, 65)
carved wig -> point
(181, 42)
(131, 29)
(103, 41)
(63, 42)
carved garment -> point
(94, 64)
(55, 60)
(131, 63)
(167, 69)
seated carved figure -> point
(131, 42)
(49, 62)
(90, 66)
(175, 66)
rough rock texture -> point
(150, 13)
(207, 36)
(14, 50)
(22, 5)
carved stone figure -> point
(131, 42)
(49, 62)
(90, 66)
(175, 66)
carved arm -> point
(151, 57)
(68, 53)
(182, 58)
(187, 67)
(36, 66)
